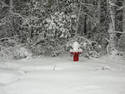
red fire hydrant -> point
(75, 56)
(75, 51)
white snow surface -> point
(60, 75)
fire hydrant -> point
(76, 50)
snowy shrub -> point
(14, 52)
(21, 52)
(47, 47)
(38, 50)
(11, 49)
(55, 48)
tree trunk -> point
(99, 11)
(78, 19)
(111, 30)
(85, 24)
(11, 5)
(123, 16)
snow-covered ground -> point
(60, 75)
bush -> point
(11, 49)
(21, 52)
(49, 47)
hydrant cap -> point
(76, 44)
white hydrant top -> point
(76, 47)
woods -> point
(47, 27)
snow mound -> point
(104, 68)
(8, 77)
(38, 68)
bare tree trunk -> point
(11, 4)
(78, 17)
(85, 23)
(123, 16)
(112, 32)
(99, 11)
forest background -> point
(49, 27)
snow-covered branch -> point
(87, 4)
(112, 4)
(3, 4)
(120, 8)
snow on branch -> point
(28, 21)
(17, 14)
(120, 8)
(88, 4)
(119, 32)
(3, 4)
(112, 4)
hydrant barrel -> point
(75, 56)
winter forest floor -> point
(60, 75)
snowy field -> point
(60, 75)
